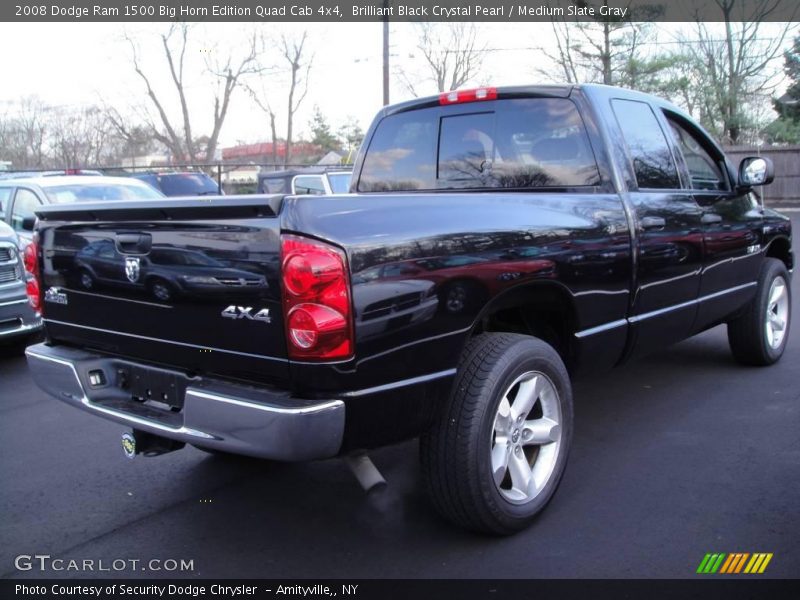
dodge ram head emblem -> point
(132, 268)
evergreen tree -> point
(321, 134)
(786, 128)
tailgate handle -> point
(134, 243)
(710, 219)
(653, 223)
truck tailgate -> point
(191, 284)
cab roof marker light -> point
(472, 95)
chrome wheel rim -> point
(456, 299)
(161, 291)
(526, 437)
(777, 317)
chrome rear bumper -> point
(215, 414)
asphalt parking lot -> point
(674, 456)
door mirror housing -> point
(756, 170)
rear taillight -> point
(316, 300)
(461, 96)
(32, 287)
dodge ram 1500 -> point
(495, 242)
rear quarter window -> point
(517, 144)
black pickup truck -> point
(494, 243)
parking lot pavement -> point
(674, 456)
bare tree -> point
(133, 136)
(293, 59)
(228, 71)
(564, 58)
(23, 134)
(262, 101)
(452, 56)
(80, 137)
(292, 51)
(733, 67)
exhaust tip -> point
(365, 471)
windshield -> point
(340, 182)
(89, 191)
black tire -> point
(456, 454)
(748, 334)
(161, 289)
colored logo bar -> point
(734, 563)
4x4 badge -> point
(246, 312)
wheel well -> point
(543, 311)
(781, 249)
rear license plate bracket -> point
(153, 385)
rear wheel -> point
(499, 449)
(758, 336)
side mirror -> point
(756, 170)
(28, 223)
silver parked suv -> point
(18, 319)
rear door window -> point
(518, 144)
(649, 151)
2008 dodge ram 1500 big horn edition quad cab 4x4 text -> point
(494, 242)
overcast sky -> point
(72, 64)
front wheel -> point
(86, 280)
(498, 450)
(161, 290)
(759, 335)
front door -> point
(732, 225)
